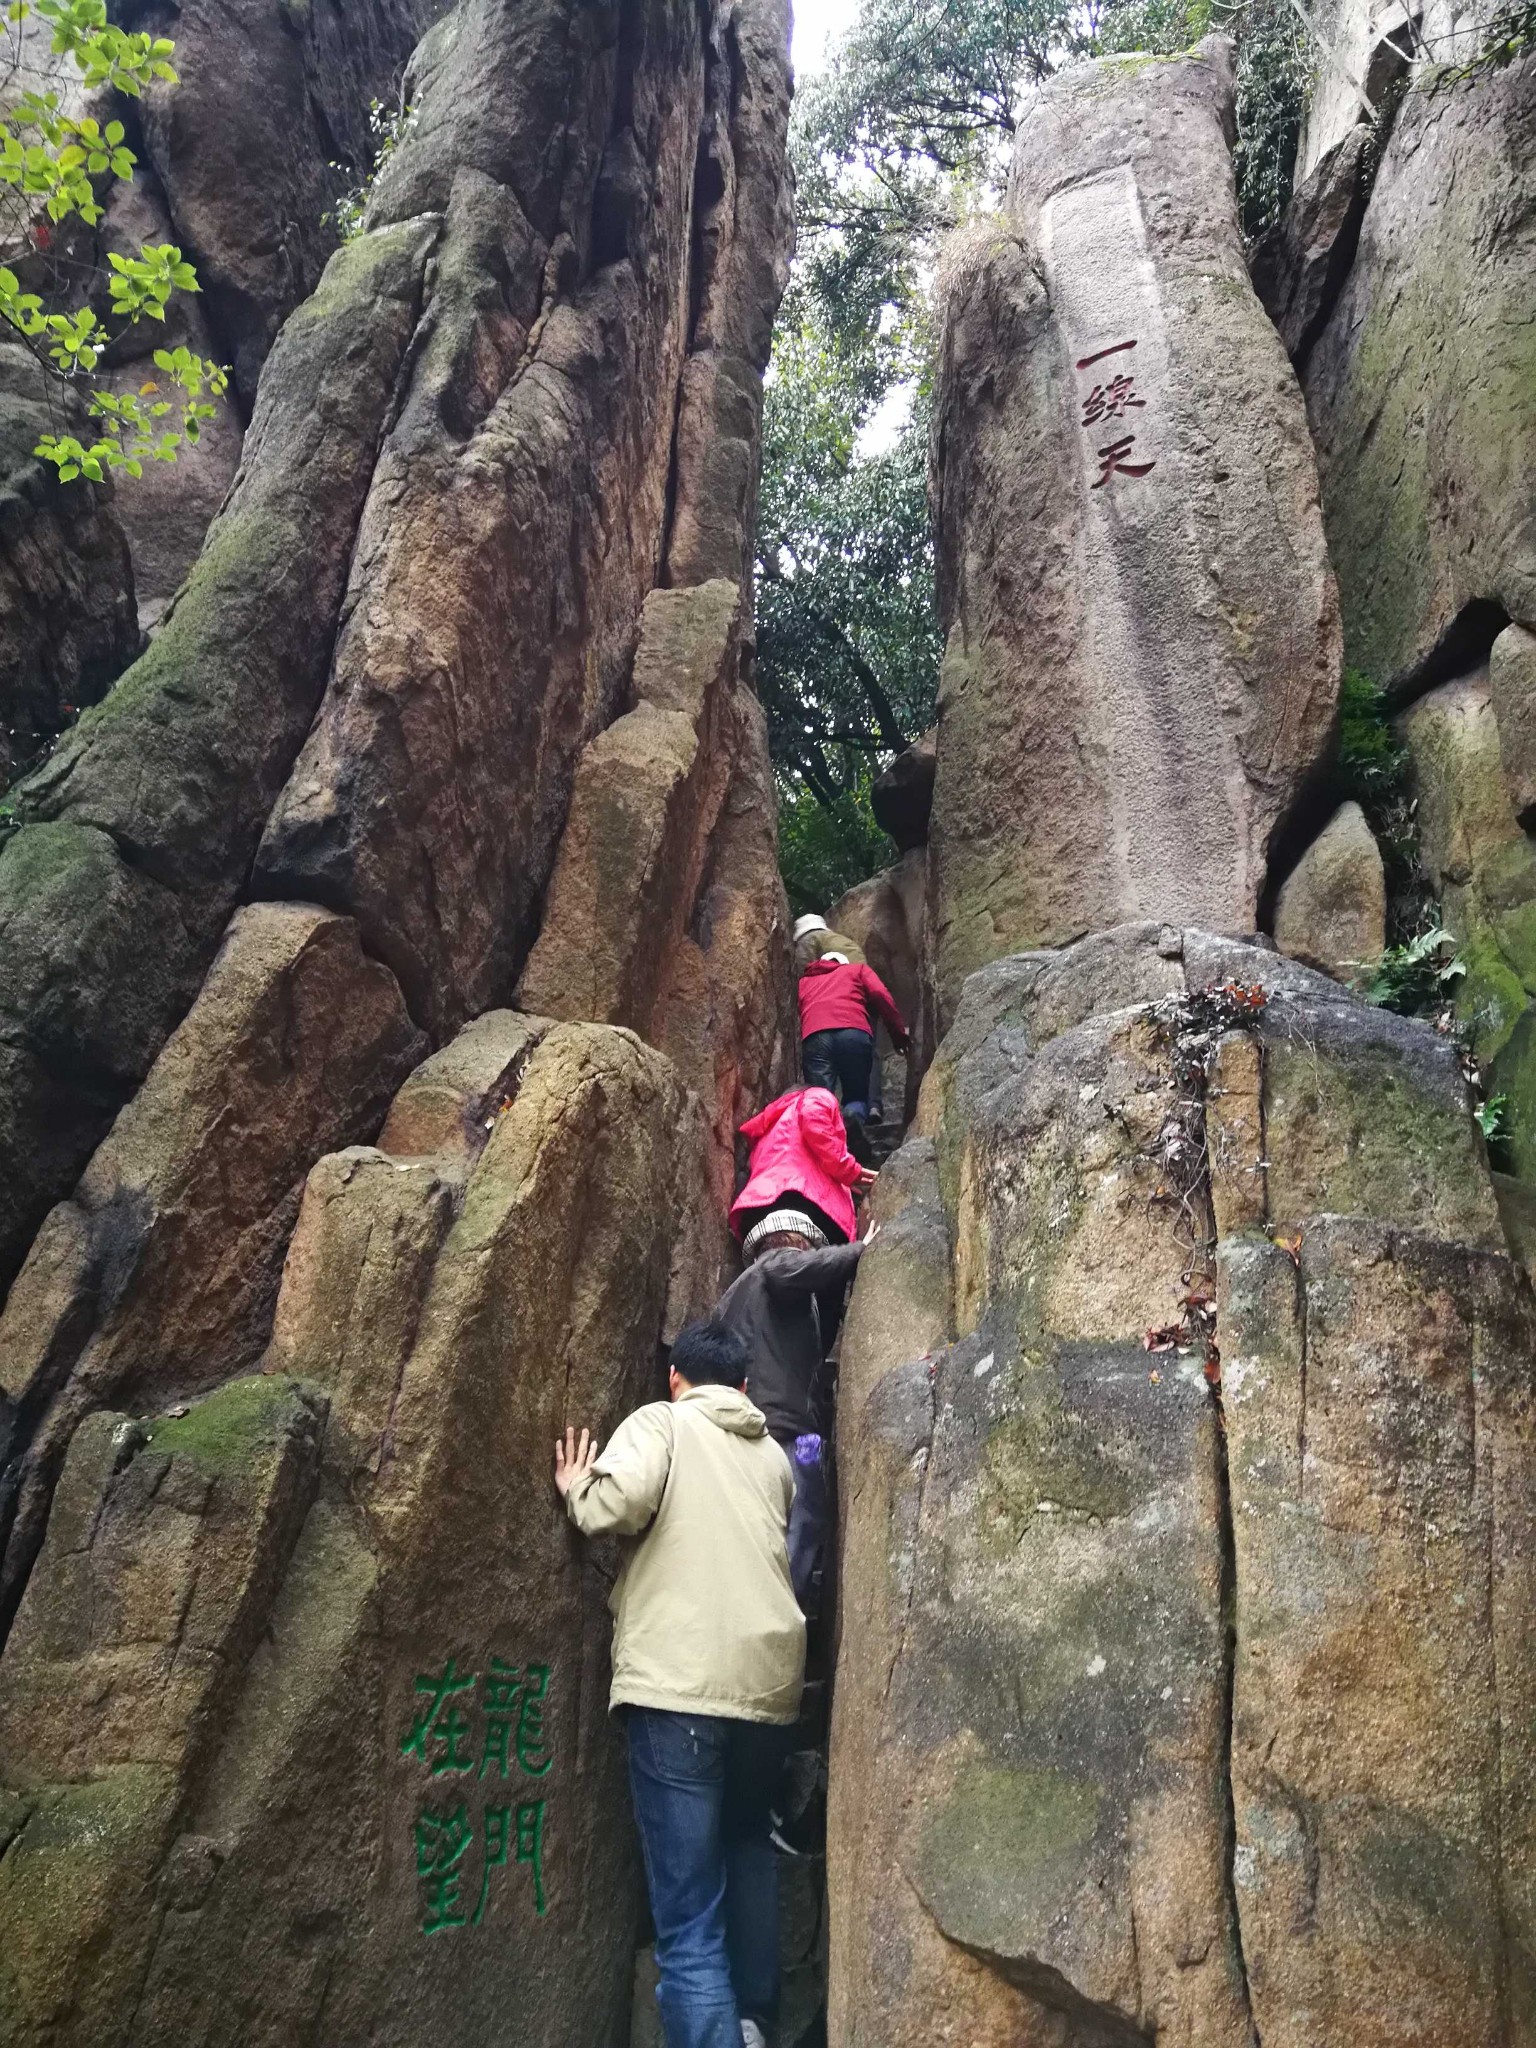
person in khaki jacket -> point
(708, 1663)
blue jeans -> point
(702, 1788)
(844, 1055)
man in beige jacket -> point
(708, 1663)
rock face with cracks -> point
(351, 1775)
(240, 165)
(1152, 1722)
(315, 1245)
(1419, 389)
(465, 473)
(1142, 661)
(254, 145)
(1332, 908)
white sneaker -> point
(752, 2035)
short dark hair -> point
(711, 1354)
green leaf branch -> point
(53, 162)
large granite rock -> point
(744, 235)
(1332, 908)
(306, 1723)
(1512, 693)
(1195, 1337)
(1482, 869)
(254, 145)
(473, 430)
(1419, 388)
(1366, 49)
(1143, 650)
(137, 835)
(901, 795)
(157, 1278)
(1299, 265)
(429, 797)
(665, 912)
(646, 795)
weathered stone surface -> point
(170, 1537)
(1332, 911)
(1419, 388)
(1482, 869)
(67, 622)
(165, 786)
(886, 918)
(903, 1309)
(1138, 1736)
(1512, 692)
(1367, 48)
(744, 233)
(158, 1277)
(427, 801)
(665, 912)
(169, 1540)
(727, 1017)
(1378, 1408)
(95, 958)
(532, 1295)
(1143, 647)
(452, 1100)
(901, 795)
(1299, 265)
(271, 98)
(645, 798)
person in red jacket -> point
(839, 1003)
(800, 1161)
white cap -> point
(809, 923)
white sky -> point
(816, 21)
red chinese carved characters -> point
(1112, 400)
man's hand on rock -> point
(573, 1461)
(866, 1180)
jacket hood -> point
(728, 1409)
(760, 1125)
(822, 967)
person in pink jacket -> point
(800, 1161)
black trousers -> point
(844, 1056)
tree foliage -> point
(847, 635)
(825, 848)
(56, 160)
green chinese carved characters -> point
(530, 1847)
(514, 1718)
(441, 1840)
(512, 1700)
(435, 1736)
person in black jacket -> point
(788, 1304)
